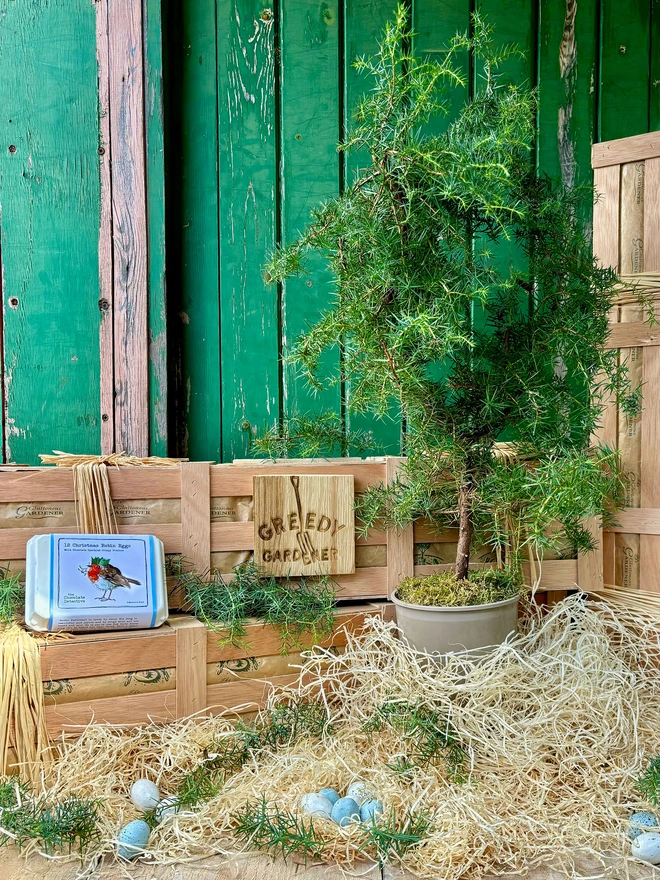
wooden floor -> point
(249, 867)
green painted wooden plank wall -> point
(257, 95)
(49, 198)
(285, 92)
(55, 62)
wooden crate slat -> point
(159, 707)
(264, 641)
(56, 484)
(649, 545)
(195, 514)
(13, 541)
(630, 149)
(230, 480)
(637, 520)
(607, 183)
(249, 693)
(426, 533)
(190, 665)
(87, 655)
(633, 335)
(366, 583)
(400, 542)
(556, 574)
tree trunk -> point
(465, 532)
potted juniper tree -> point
(467, 298)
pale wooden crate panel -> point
(92, 677)
(626, 237)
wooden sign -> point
(304, 525)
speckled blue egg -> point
(371, 809)
(345, 811)
(647, 847)
(331, 794)
(360, 792)
(316, 805)
(132, 839)
(639, 822)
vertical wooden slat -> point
(129, 226)
(631, 259)
(606, 248)
(191, 641)
(194, 241)
(606, 215)
(566, 109)
(106, 294)
(400, 542)
(624, 68)
(652, 215)
(364, 21)
(309, 176)
(49, 227)
(155, 169)
(649, 551)
(248, 65)
(590, 565)
(196, 515)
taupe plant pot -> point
(466, 627)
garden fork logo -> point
(309, 529)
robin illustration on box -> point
(106, 577)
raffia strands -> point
(95, 513)
(557, 724)
(631, 286)
(636, 600)
(114, 459)
(22, 721)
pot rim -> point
(450, 608)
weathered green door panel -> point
(50, 209)
(156, 216)
(309, 175)
(624, 68)
(567, 70)
(654, 83)
(193, 233)
(249, 318)
(364, 21)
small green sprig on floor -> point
(278, 832)
(281, 726)
(392, 839)
(11, 596)
(432, 737)
(648, 783)
(59, 827)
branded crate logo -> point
(304, 524)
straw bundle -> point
(95, 513)
(556, 726)
(22, 721)
(632, 285)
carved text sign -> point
(304, 525)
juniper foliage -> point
(471, 348)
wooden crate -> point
(171, 672)
(626, 237)
(382, 558)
